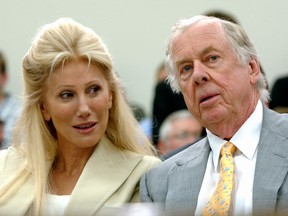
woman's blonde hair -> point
(54, 44)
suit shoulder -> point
(276, 122)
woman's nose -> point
(83, 107)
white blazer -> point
(110, 178)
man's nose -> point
(200, 74)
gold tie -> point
(219, 203)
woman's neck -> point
(67, 168)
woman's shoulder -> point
(10, 160)
(6, 154)
(3, 154)
(11, 152)
(149, 161)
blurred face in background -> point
(182, 131)
(162, 75)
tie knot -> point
(228, 148)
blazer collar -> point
(105, 171)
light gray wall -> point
(136, 32)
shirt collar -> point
(245, 139)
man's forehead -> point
(202, 29)
(183, 51)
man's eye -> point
(185, 71)
(187, 68)
(213, 58)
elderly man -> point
(240, 168)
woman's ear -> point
(45, 112)
(110, 100)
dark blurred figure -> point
(165, 102)
(222, 15)
(144, 120)
(9, 106)
(279, 95)
(138, 111)
(1, 132)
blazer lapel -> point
(271, 166)
(103, 174)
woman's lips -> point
(85, 127)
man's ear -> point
(254, 71)
(45, 113)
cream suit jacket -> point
(109, 179)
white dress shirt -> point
(56, 204)
(246, 140)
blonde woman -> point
(77, 147)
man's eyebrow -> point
(181, 61)
(209, 49)
(205, 51)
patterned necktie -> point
(219, 203)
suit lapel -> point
(271, 166)
(186, 178)
(104, 173)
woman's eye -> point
(66, 95)
(94, 89)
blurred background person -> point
(179, 129)
(143, 119)
(10, 107)
(165, 102)
(1, 131)
(222, 15)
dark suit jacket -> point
(165, 102)
(279, 93)
(177, 181)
